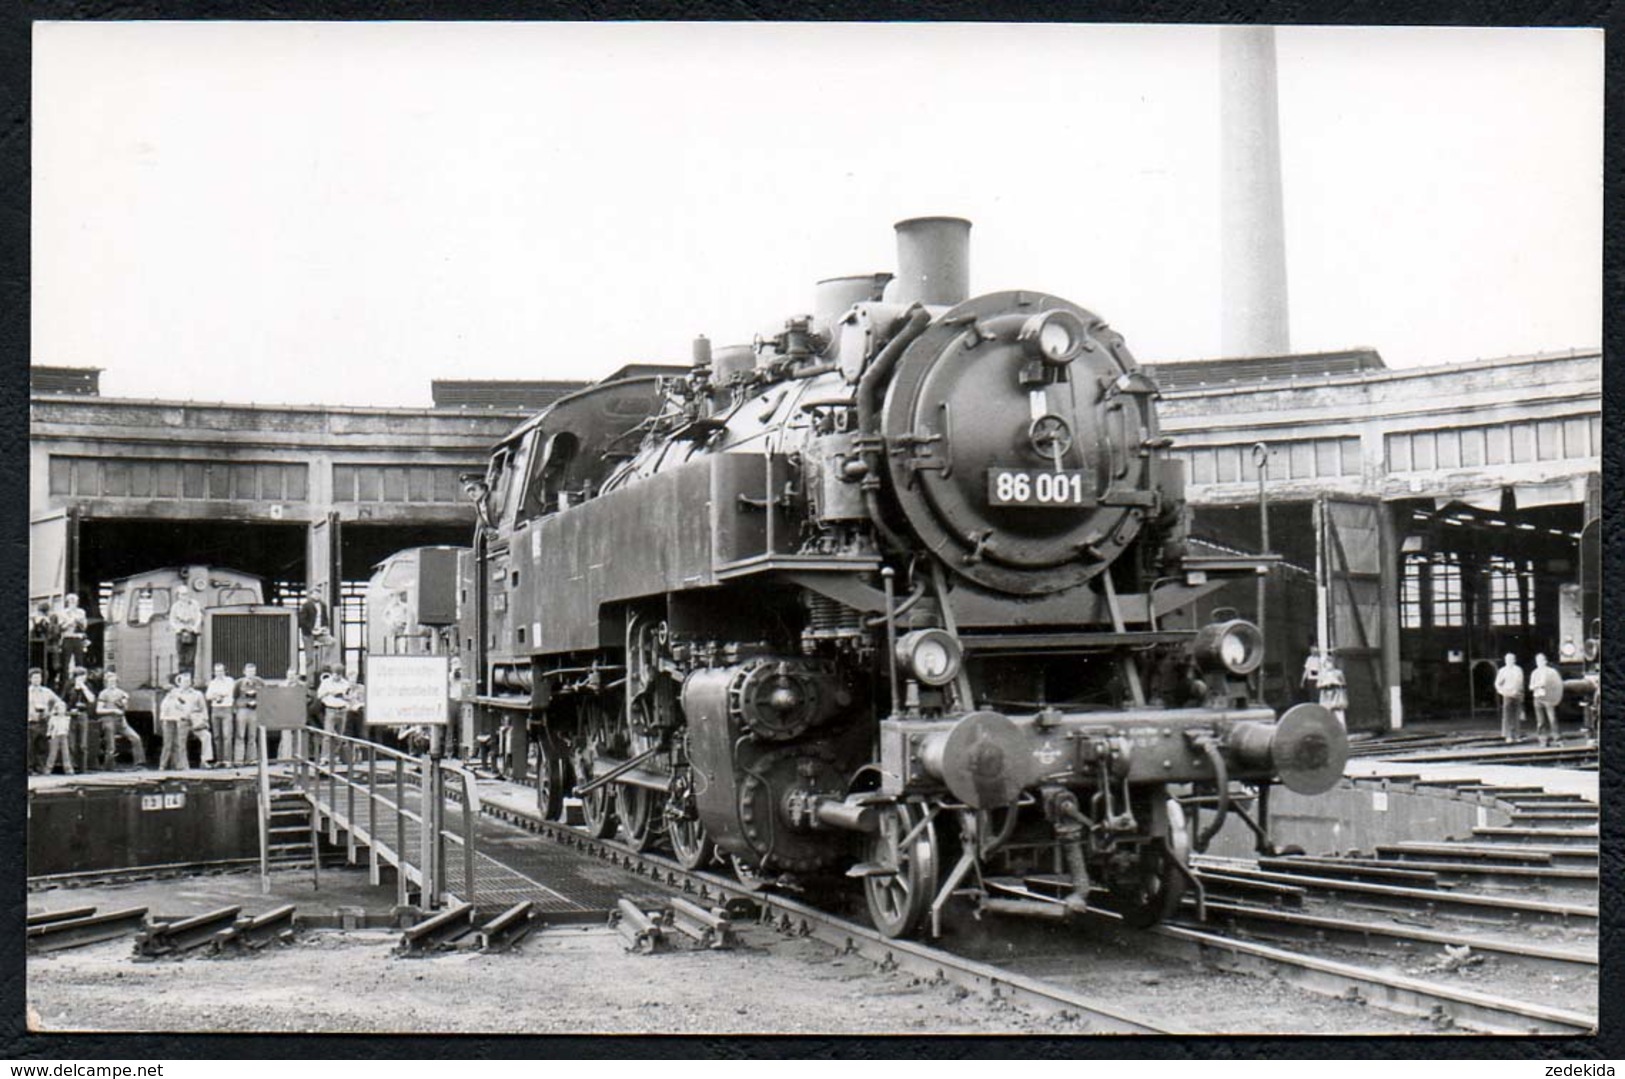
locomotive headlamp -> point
(1235, 646)
(932, 656)
(1056, 337)
(1568, 649)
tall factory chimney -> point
(1252, 241)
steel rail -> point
(1395, 992)
(44, 917)
(438, 932)
(1397, 939)
(89, 929)
(798, 919)
(171, 938)
(508, 928)
(87, 877)
(1476, 872)
(1414, 897)
(253, 933)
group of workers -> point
(221, 717)
(57, 638)
(1543, 687)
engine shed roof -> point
(1199, 374)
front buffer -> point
(1053, 802)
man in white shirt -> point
(183, 711)
(186, 619)
(1546, 692)
(43, 703)
(334, 694)
(1509, 687)
(220, 693)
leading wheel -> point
(550, 776)
(898, 900)
(1153, 893)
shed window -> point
(1445, 582)
(1410, 592)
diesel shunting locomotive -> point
(900, 592)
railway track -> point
(1445, 1005)
(793, 917)
(1403, 941)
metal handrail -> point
(316, 768)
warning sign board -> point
(407, 690)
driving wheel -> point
(690, 842)
(597, 805)
(550, 776)
(635, 806)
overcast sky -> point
(338, 213)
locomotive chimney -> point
(933, 261)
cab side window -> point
(149, 603)
(544, 487)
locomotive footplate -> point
(987, 759)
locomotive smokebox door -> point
(1016, 431)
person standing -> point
(1334, 694)
(57, 726)
(41, 635)
(81, 701)
(333, 693)
(1546, 692)
(111, 703)
(245, 695)
(182, 710)
(221, 693)
(394, 622)
(43, 703)
(355, 705)
(186, 620)
(1310, 682)
(1509, 684)
(70, 622)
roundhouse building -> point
(1428, 519)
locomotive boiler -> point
(898, 593)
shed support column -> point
(1390, 613)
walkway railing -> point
(373, 797)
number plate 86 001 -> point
(1038, 487)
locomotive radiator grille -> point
(261, 638)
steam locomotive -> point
(900, 593)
